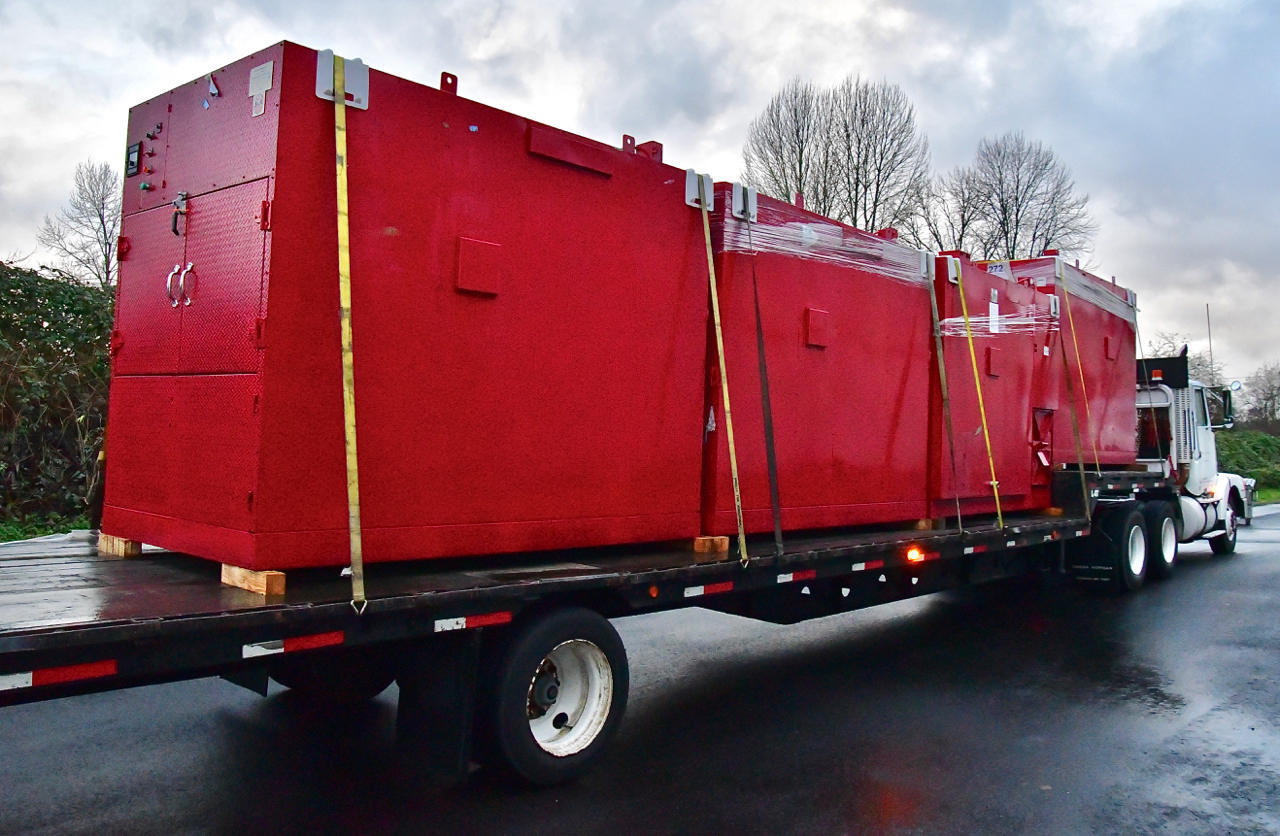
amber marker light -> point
(914, 555)
(653, 592)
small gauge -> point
(133, 159)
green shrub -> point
(54, 372)
(1250, 453)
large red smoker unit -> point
(534, 365)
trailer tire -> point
(334, 679)
(553, 696)
(1225, 543)
(1162, 539)
(1122, 542)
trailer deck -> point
(98, 623)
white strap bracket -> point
(357, 79)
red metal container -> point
(1020, 329)
(529, 327)
(1097, 325)
(848, 338)
(996, 350)
(534, 367)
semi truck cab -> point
(1176, 436)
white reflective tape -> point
(692, 591)
(1048, 537)
(443, 625)
(13, 681)
(1011, 544)
(1079, 533)
(263, 649)
(786, 577)
(968, 549)
(859, 567)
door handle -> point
(182, 285)
(168, 286)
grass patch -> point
(1265, 496)
(39, 526)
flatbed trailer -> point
(73, 622)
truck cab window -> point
(1202, 412)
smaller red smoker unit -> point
(847, 335)
(528, 309)
(1097, 326)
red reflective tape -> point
(312, 642)
(73, 673)
(977, 549)
(488, 619)
(712, 588)
(875, 564)
(807, 574)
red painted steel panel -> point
(1004, 360)
(851, 418)
(142, 464)
(147, 323)
(148, 125)
(223, 289)
(224, 144)
(568, 402)
(1107, 349)
(216, 438)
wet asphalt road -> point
(1018, 707)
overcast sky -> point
(1167, 112)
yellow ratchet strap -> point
(1084, 391)
(348, 357)
(977, 382)
(724, 377)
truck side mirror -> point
(1228, 414)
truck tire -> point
(1225, 543)
(1119, 543)
(1162, 539)
(553, 697)
(333, 678)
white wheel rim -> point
(1229, 524)
(1168, 541)
(566, 721)
(1137, 551)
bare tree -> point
(788, 148)
(881, 159)
(946, 213)
(1172, 343)
(83, 235)
(1028, 200)
(1261, 395)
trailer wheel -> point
(1122, 543)
(334, 679)
(1225, 543)
(555, 697)
(1162, 539)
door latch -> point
(179, 208)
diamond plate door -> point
(222, 293)
(216, 445)
(148, 321)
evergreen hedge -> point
(54, 372)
